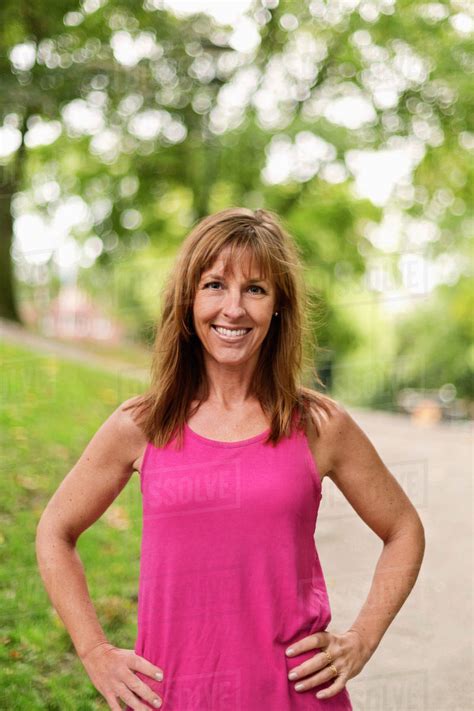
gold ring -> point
(328, 656)
(335, 670)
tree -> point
(172, 110)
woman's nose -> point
(233, 307)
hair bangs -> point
(240, 247)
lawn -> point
(49, 410)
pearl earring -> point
(276, 313)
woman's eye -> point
(253, 286)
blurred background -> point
(121, 125)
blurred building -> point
(73, 314)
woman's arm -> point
(358, 471)
(86, 492)
(343, 452)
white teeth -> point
(231, 332)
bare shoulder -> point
(130, 433)
(328, 423)
(352, 462)
(98, 476)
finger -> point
(332, 690)
(113, 703)
(326, 674)
(318, 639)
(145, 667)
(143, 691)
(132, 700)
(310, 666)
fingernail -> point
(159, 676)
(292, 675)
(290, 650)
(299, 686)
(156, 702)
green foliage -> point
(144, 191)
(438, 340)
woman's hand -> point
(111, 671)
(347, 652)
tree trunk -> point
(8, 305)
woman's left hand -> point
(347, 652)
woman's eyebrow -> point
(221, 276)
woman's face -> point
(232, 315)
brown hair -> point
(177, 369)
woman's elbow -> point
(411, 533)
(49, 531)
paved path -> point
(424, 662)
(14, 333)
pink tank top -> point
(229, 573)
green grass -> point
(49, 410)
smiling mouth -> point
(231, 332)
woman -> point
(232, 608)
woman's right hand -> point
(111, 671)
